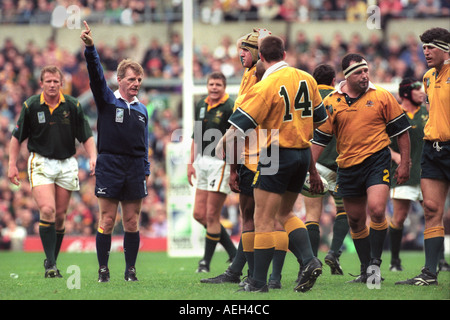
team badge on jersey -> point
(369, 103)
(41, 117)
(202, 113)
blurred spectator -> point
(131, 12)
(270, 10)
(428, 8)
(288, 10)
(356, 11)
(13, 233)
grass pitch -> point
(165, 278)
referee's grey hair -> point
(125, 64)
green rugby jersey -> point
(329, 154)
(52, 133)
(416, 134)
(211, 123)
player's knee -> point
(200, 217)
(212, 219)
(430, 209)
(355, 223)
(247, 214)
(47, 213)
(377, 212)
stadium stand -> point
(392, 56)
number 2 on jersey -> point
(301, 102)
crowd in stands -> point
(389, 62)
(217, 11)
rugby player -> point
(212, 174)
(363, 117)
(51, 121)
(288, 102)
(435, 164)
(412, 97)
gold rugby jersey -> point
(363, 127)
(437, 88)
(250, 153)
(287, 100)
(248, 80)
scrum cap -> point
(250, 42)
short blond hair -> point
(125, 64)
(52, 70)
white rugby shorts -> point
(212, 174)
(42, 171)
(413, 193)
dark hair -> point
(217, 75)
(272, 48)
(349, 58)
(406, 86)
(324, 74)
(435, 34)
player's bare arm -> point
(402, 172)
(13, 172)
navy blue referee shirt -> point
(122, 126)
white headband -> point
(438, 44)
(354, 67)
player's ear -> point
(261, 57)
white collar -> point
(343, 82)
(277, 66)
(119, 96)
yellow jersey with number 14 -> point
(437, 88)
(286, 100)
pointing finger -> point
(86, 26)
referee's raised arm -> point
(86, 35)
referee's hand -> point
(86, 35)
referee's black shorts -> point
(120, 177)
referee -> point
(51, 121)
(122, 165)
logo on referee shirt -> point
(119, 115)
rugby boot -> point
(103, 274)
(202, 267)
(426, 278)
(51, 271)
(396, 265)
(361, 278)
(310, 273)
(130, 274)
(332, 260)
(227, 277)
(443, 265)
(251, 287)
